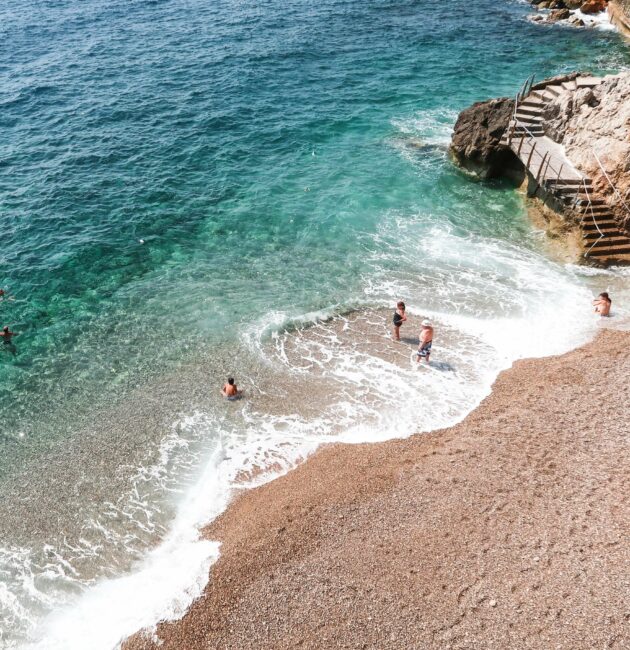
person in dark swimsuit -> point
(399, 319)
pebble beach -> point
(508, 530)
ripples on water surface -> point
(186, 188)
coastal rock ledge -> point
(569, 138)
(476, 145)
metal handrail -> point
(524, 92)
(590, 205)
(531, 137)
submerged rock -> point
(476, 138)
(559, 14)
(576, 21)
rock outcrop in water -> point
(476, 138)
(570, 12)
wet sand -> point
(508, 530)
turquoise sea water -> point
(181, 181)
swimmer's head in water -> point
(400, 304)
(604, 295)
(231, 381)
(5, 328)
(426, 323)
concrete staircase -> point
(551, 170)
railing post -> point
(511, 133)
(531, 153)
(542, 164)
(547, 168)
(520, 145)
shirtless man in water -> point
(7, 334)
(426, 339)
(230, 390)
(602, 304)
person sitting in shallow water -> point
(229, 390)
(602, 304)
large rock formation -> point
(476, 139)
(594, 124)
(619, 11)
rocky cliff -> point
(619, 11)
(475, 143)
(594, 124)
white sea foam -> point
(491, 302)
(598, 21)
(431, 127)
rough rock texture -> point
(475, 142)
(593, 6)
(619, 11)
(594, 122)
(559, 14)
(506, 532)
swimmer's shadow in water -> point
(443, 366)
(410, 340)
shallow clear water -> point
(187, 187)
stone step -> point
(597, 208)
(563, 188)
(530, 122)
(608, 232)
(618, 259)
(608, 242)
(588, 82)
(608, 224)
(529, 110)
(553, 90)
(572, 181)
(533, 101)
(610, 251)
(569, 85)
(583, 202)
(601, 217)
(521, 116)
(538, 95)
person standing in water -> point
(426, 340)
(229, 390)
(399, 319)
(602, 304)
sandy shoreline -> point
(508, 530)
